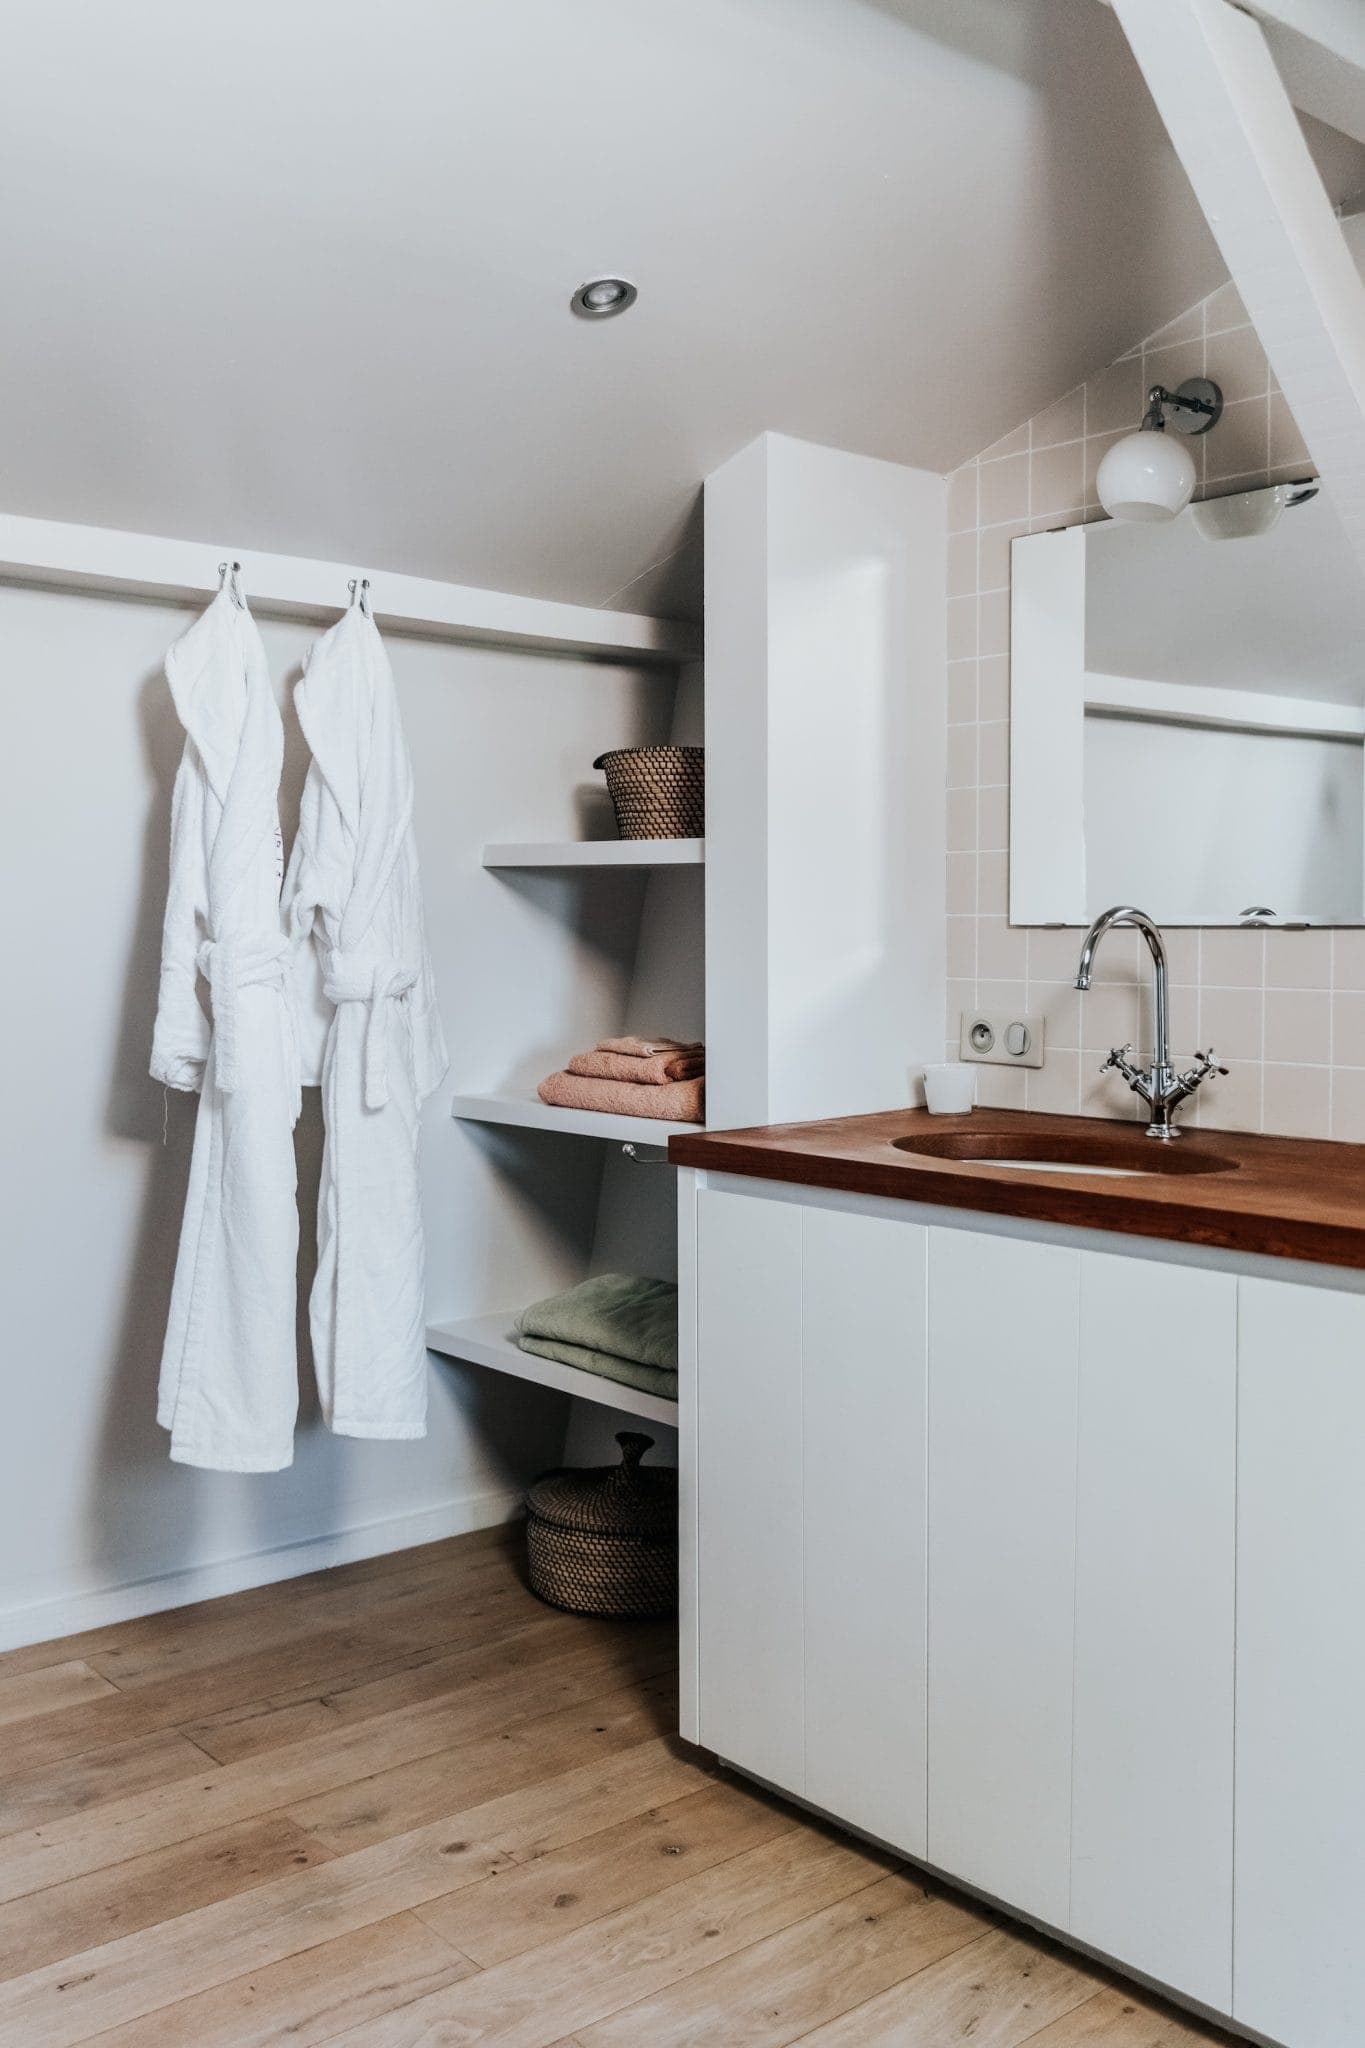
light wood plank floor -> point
(403, 1805)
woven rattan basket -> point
(605, 1541)
(657, 792)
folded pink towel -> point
(625, 1066)
(679, 1102)
(646, 1048)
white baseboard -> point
(104, 1606)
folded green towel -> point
(619, 1326)
(627, 1372)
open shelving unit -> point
(490, 1341)
(528, 1112)
(597, 853)
(579, 935)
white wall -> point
(502, 745)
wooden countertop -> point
(1290, 1198)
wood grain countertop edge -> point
(1290, 1198)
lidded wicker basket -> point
(605, 1541)
(657, 792)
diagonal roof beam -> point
(1217, 89)
(1319, 47)
(1319, 51)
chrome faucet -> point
(1161, 1088)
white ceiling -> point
(296, 275)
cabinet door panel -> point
(863, 1350)
(1151, 1869)
(1003, 1354)
(749, 1538)
(1299, 1893)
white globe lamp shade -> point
(1147, 475)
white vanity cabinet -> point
(1044, 1562)
(1299, 1970)
(1002, 1461)
(1152, 1743)
(811, 1504)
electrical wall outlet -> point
(996, 1039)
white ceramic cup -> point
(950, 1089)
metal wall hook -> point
(362, 586)
(228, 579)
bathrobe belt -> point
(358, 978)
(229, 965)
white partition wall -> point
(825, 726)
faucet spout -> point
(1160, 1087)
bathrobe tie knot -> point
(228, 966)
(356, 978)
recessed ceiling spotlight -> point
(600, 297)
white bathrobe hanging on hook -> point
(229, 1382)
(353, 887)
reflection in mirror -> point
(1188, 717)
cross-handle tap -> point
(1160, 1087)
(1118, 1059)
(1186, 1083)
(1178, 1086)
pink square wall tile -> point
(1348, 959)
(962, 564)
(1059, 1006)
(993, 687)
(1297, 1101)
(1053, 954)
(1232, 1021)
(962, 805)
(993, 828)
(1001, 995)
(1298, 959)
(1348, 1104)
(1056, 1085)
(1348, 1028)
(1232, 959)
(1004, 490)
(1001, 950)
(962, 516)
(1298, 1026)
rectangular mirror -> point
(1188, 717)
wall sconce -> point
(1148, 475)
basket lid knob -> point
(634, 1443)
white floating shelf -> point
(528, 1112)
(490, 1341)
(597, 853)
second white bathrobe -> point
(229, 1380)
(353, 887)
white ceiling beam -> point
(1319, 49)
(1338, 25)
(1216, 87)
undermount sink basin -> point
(1123, 1156)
